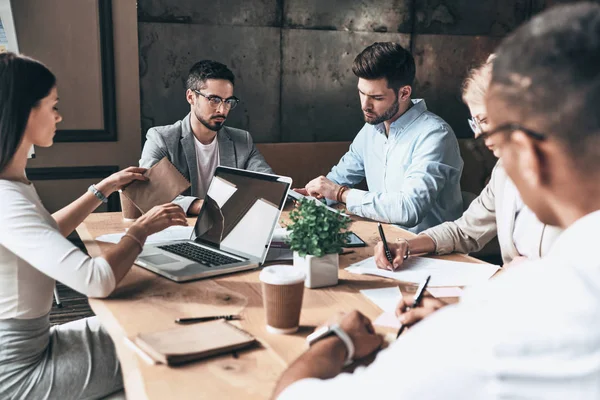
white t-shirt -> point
(208, 160)
(531, 333)
(33, 254)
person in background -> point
(76, 360)
(408, 155)
(534, 331)
(498, 210)
(200, 142)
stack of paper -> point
(443, 272)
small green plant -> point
(317, 231)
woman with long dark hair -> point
(77, 359)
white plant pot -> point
(320, 271)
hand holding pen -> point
(386, 257)
(409, 316)
(417, 301)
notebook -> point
(193, 342)
(164, 183)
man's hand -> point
(409, 316)
(360, 330)
(322, 187)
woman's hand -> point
(157, 219)
(398, 251)
(119, 180)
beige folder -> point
(164, 183)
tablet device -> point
(355, 241)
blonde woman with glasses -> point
(498, 210)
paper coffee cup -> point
(282, 290)
(129, 210)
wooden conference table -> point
(146, 302)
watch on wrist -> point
(334, 329)
(94, 190)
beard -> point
(387, 114)
(210, 123)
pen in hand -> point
(416, 302)
(388, 253)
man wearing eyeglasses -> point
(200, 142)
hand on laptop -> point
(322, 187)
(160, 218)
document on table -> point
(385, 298)
(169, 234)
(443, 272)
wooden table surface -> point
(146, 302)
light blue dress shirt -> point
(413, 175)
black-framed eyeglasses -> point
(215, 101)
(510, 127)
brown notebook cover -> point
(193, 342)
(164, 183)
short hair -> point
(477, 82)
(386, 60)
(207, 69)
(23, 83)
(549, 68)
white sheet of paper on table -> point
(170, 234)
(443, 272)
(387, 319)
(220, 191)
(445, 291)
(385, 298)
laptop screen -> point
(240, 211)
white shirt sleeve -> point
(437, 359)
(26, 232)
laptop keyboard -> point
(198, 254)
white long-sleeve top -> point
(33, 254)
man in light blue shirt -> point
(408, 155)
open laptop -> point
(233, 230)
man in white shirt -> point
(534, 331)
(200, 142)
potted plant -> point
(317, 237)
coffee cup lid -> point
(282, 275)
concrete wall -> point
(293, 58)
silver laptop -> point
(233, 230)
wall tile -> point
(470, 17)
(442, 64)
(319, 96)
(344, 15)
(210, 12)
(167, 51)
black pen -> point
(388, 254)
(418, 297)
(204, 319)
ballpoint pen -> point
(416, 302)
(204, 319)
(388, 254)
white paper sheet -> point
(220, 191)
(385, 298)
(387, 319)
(169, 234)
(443, 272)
(445, 292)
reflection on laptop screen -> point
(240, 210)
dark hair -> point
(23, 83)
(386, 60)
(207, 69)
(549, 69)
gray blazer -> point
(492, 213)
(236, 149)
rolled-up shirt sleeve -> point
(26, 233)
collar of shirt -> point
(418, 108)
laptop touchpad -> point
(158, 259)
